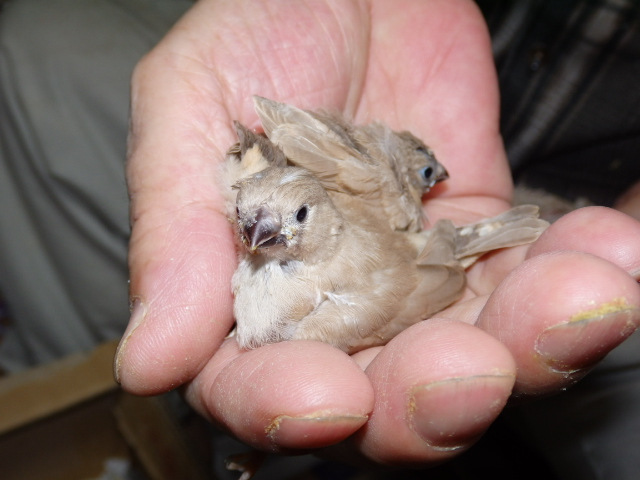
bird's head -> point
(425, 170)
(285, 213)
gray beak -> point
(265, 231)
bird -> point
(309, 269)
(371, 165)
(250, 154)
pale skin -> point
(424, 66)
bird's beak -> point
(264, 231)
(441, 174)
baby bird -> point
(310, 270)
(385, 171)
(251, 154)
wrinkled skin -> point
(424, 66)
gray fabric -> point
(65, 68)
(569, 72)
(592, 431)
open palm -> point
(423, 66)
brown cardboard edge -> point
(42, 391)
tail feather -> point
(518, 226)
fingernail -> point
(588, 336)
(314, 430)
(138, 312)
(451, 414)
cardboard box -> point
(70, 420)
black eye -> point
(426, 173)
(302, 214)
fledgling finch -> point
(371, 169)
(251, 154)
(309, 270)
(371, 165)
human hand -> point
(424, 66)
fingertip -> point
(600, 231)
(438, 386)
(167, 345)
(466, 408)
(290, 395)
(559, 313)
(181, 266)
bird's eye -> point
(301, 215)
(237, 212)
(426, 173)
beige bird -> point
(371, 165)
(309, 270)
(251, 154)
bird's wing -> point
(311, 143)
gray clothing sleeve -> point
(65, 68)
